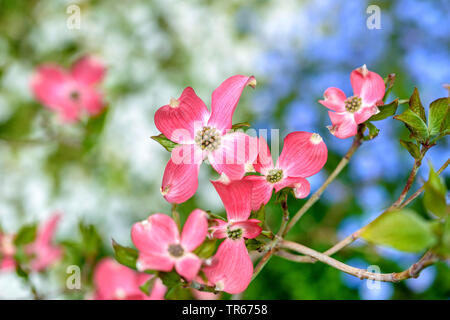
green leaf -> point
(434, 198)
(124, 255)
(416, 106)
(147, 287)
(439, 111)
(415, 124)
(170, 279)
(206, 249)
(253, 244)
(403, 230)
(259, 214)
(240, 125)
(166, 143)
(215, 216)
(389, 83)
(26, 235)
(386, 111)
(412, 148)
(373, 131)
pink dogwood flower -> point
(203, 135)
(42, 252)
(303, 155)
(368, 91)
(114, 281)
(70, 93)
(231, 269)
(161, 247)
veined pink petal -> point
(188, 266)
(261, 191)
(154, 262)
(343, 125)
(219, 230)
(236, 197)
(303, 154)
(181, 119)
(334, 99)
(154, 235)
(88, 70)
(180, 181)
(236, 150)
(302, 189)
(250, 228)
(225, 99)
(368, 85)
(232, 268)
(195, 230)
(187, 154)
(264, 161)
(365, 113)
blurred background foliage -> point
(106, 171)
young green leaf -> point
(434, 198)
(166, 143)
(373, 131)
(439, 110)
(415, 124)
(403, 230)
(416, 106)
(412, 148)
(26, 235)
(124, 255)
(170, 279)
(206, 249)
(147, 287)
(386, 111)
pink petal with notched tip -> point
(334, 99)
(88, 71)
(236, 197)
(47, 85)
(180, 181)
(188, 266)
(236, 150)
(303, 154)
(231, 269)
(368, 85)
(154, 235)
(343, 125)
(195, 230)
(219, 229)
(181, 121)
(365, 113)
(250, 228)
(148, 261)
(225, 99)
(261, 191)
(294, 182)
(264, 160)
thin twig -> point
(313, 199)
(412, 272)
(176, 215)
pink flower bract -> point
(72, 92)
(368, 89)
(303, 155)
(231, 269)
(203, 135)
(114, 281)
(161, 247)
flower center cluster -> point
(353, 104)
(234, 234)
(275, 175)
(74, 95)
(208, 139)
(176, 250)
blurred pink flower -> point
(231, 269)
(7, 251)
(303, 155)
(43, 251)
(114, 281)
(368, 89)
(203, 135)
(70, 93)
(161, 247)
